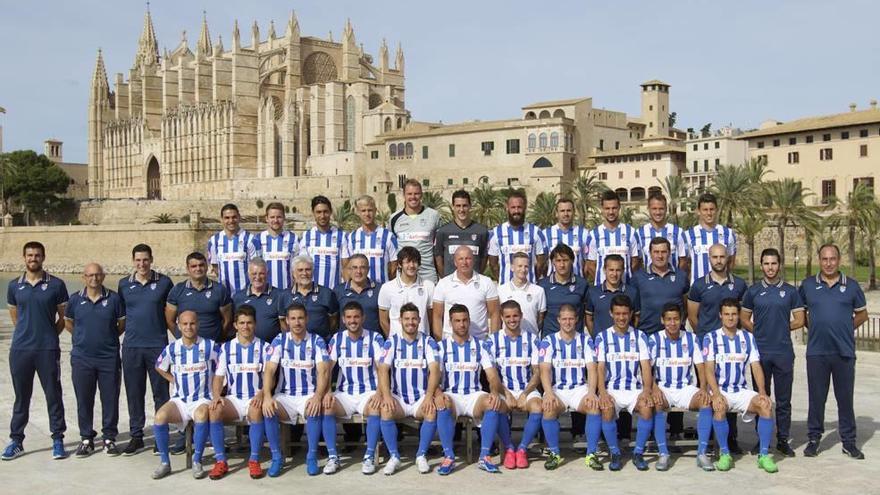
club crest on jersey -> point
(153, 286)
(842, 289)
(529, 297)
(473, 237)
(782, 293)
(672, 278)
(104, 303)
(46, 286)
(729, 286)
(208, 295)
(370, 293)
(421, 291)
(571, 288)
(314, 298)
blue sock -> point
(374, 428)
(329, 429)
(721, 430)
(609, 429)
(255, 435)
(488, 429)
(161, 434)
(533, 424)
(704, 429)
(504, 431)
(660, 432)
(313, 435)
(273, 434)
(551, 434)
(389, 434)
(216, 430)
(765, 431)
(594, 430)
(446, 429)
(426, 434)
(643, 433)
(200, 437)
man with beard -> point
(516, 236)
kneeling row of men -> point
(412, 375)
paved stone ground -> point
(829, 473)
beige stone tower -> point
(655, 108)
(99, 110)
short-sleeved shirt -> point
(674, 359)
(576, 237)
(699, 239)
(619, 240)
(531, 299)
(242, 365)
(327, 250)
(192, 368)
(771, 307)
(671, 232)
(830, 311)
(231, 255)
(474, 293)
(708, 294)
(656, 291)
(379, 246)
(462, 364)
(267, 305)
(409, 361)
(569, 359)
(367, 298)
(95, 331)
(622, 355)
(36, 306)
(732, 357)
(514, 357)
(394, 294)
(278, 252)
(418, 231)
(450, 236)
(145, 325)
(206, 302)
(357, 360)
(573, 291)
(599, 303)
(298, 363)
(320, 303)
(505, 240)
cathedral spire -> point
(148, 47)
(99, 78)
(271, 29)
(203, 46)
(293, 25)
(398, 61)
(383, 56)
(218, 48)
(236, 37)
(348, 34)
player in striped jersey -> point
(515, 353)
(278, 247)
(516, 236)
(230, 250)
(658, 226)
(357, 351)
(409, 377)
(325, 244)
(565, 232)
(568, 376)
(299, 359)
(188, 364)
(463, 357)
(729, 352)
(611, 237)
(675, 353)
(377, 243)
(707, 232)
(626, 380)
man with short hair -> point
(263, 298)
(325, 244)
(230, 250)
(407, 287)
(529, 296)
(198, 293)
(376, 243)
(318, 300)
(611, 237)
(562, 287)
(566, 232)
(662, 284)
(659, 226)
(416, 225)
(702, 236)
(474, 290)
(706, 293)
(362, 289)
(461, 231)
(277, 247)
(516, 236)
(598, 303)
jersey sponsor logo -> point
(730, 358)
(569, 363)
(355, 362)
(701, 249)
(414, 236)
(371, 253)
(514, 361)
(453, 247)
(466, 367)
(246, 368)
(297, 364)
(191, 367)
(622, 356)
(276, 255)
(621, 250)
(673, 362)
(323, 251)
(516, 248)
(232, 256)
(410, 363)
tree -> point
(487, 205)
(858, 210)
(676, 196)
(392, 202)
(433, 199)
(749, 225)
(585, 191)
(672, 118)
(788, 209)
(382, 217)
(542, 210)
(32, 181)
(163, 218)
(733, 190)
(706, 130)
(345, 218)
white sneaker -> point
(332, 465)
(368, 466)
(422, 464)
(391, 466)
(198, 471)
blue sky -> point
(728, 62)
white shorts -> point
(680, 397)
(294, 406)
(353, 403)
(466, 403)
(571, 398)
(532, 395)
(409, 410)
(241, 406)
(187, 409)
(739, 402)
(624, 399)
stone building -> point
(78, 173)
(707, 153)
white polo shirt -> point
(474, 294)
(531, 300)
(394, 294)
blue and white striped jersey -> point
(192, 367)
(409, 362)
(298, 363)
(504, 240)
(569, 358)
(462, 364)
(674, 359)
(357, 360)
(379, 246)
(604, 241)
(699, 240)
(671, 232)
(278, 252)
(326, 250)
(622, 355)
(732, 357)
(243, 367)
(514, 357)
(231, 255)
(575, 237)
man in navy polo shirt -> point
(707, 292)
(265, 299)
(208, 299)
(660, 285)
(36, 306)
(562, 287)
(143, 293)
(771, 310)
(361, 289)
(598, 310)
(95, 317)
(319, 301)
(835, 308)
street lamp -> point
(796, 259)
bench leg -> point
(469, 439)
(188, 435)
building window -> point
(512, 146)
(424, 152)
(601, 144)
(705, 146)
(863, 133)
(826, 137)
(620, 174)
(809, 139)
(695, 147)
(392, 151)
(760, 144)
(487, 147)
(844, 135)
(531, 142)
(542, 140)
(653, 172)
(866, 181)
(409, 150)
(763, 159)
(775, 143)
(717, 163)
(829, 190)
(825, 154)
(617, 145)
(374, 155)
(448, 182)
(426, 182)
(603, 175)
(863, 150)
(638, 174)
(794, 157)
(792, 141)
(451, 151)
(554, 140)
(465, 180)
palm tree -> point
(585, 191)
(756, 170)
(733, 190)
(163, 218)
(433, 199)
(750, 225)
(487, 205)
(858, 210)
(382, 217)
(787, 199)
(345, 218)
(676, 195)
(542, 210)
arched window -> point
(484, 180)
(622, 193)
(542, 163)
(400, 152)
(349, 123)
(532, 142)
(531, 116)
(542, 140)
(653, 190)
(554, 140)
(399, 122)
(559, 113)
(387, 127)
(637, 194)
(392, 151)
(545, 114)
(409, 150)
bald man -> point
(475, 290)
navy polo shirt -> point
(709, 294)
(145, 310)
(95, 334)
(368, 298)
(320, 303)
(206, 302)
(771, 307)
(37, 306)
(599, 303)
(573, 291)
(268, 308)
(830, 311)
(656, 291)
